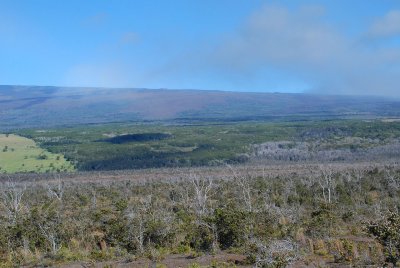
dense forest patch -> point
(136, 138)
(136, 146)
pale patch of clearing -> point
(390, 120)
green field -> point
(19, 154)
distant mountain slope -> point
(36, 106)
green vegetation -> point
(272, 194)
(89, 148)
(387, 232)
(265, 219)
(19, 154)
(132, 146)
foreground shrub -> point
(387, 231)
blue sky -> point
(341, 46)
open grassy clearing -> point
(19, 154)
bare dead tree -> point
(51, 236)
(245, 187)
(391, 175)
(12, 194)
(327, 182)
(137, 218)
(202, 191)
(356, 176)
(56, 190)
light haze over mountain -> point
(26, 106)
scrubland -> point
(255, 215)
(254, 194)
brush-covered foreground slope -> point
(34, 106)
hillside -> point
(34, 106)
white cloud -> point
(275, 35)
(300, 42)
(130, 38)
(96, 20)
(387, 26)
(111, 74)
